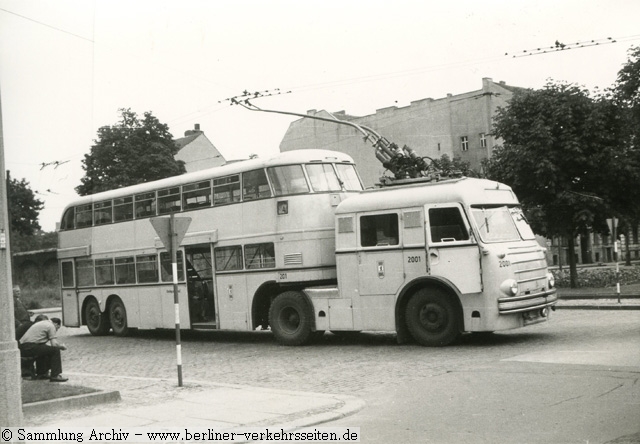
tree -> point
(561, 154)
(626, 93)
(453, 166)
(130, 152)
(24, 208)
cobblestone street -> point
(332, 364)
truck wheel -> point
(291, 319)
(118, 317)
(432, 318)
(97, 321)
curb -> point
(70, 402)
(597, 307)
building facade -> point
(197, 152)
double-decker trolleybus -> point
(295, 245)
(259, 228)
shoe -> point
(58, 378)
(41, 377)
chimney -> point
(195, 130)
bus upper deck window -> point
(145, 204)
(349, 177)
(226, 190)
(122, 209)
(196, 195)
(323, 177)
(102, 213)
(84, 216)
(255, 185)
(288, 180)
(169, 200)
(67, 219)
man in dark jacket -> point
(21, 315)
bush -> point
(598, 277)
(44, 297)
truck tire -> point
(291, 318)
(118, 317)
(97, 321)
(432, 317)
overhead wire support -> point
(560, 46)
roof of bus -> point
(286, 158)
(470, 191)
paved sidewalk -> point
(151, 402)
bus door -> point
(380, 267)
(452, 251)
(70, 302)
(200, 285)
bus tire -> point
(291, 319)
(97, 321)
(118, 317)
(432, 317)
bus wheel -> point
(290, 319)
(97, 322)
(432, 318)
(118, 317)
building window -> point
(464, 141)
(438, 146)
(483, 140)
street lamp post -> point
(10, 376)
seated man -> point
(34, 344)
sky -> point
(68, 66)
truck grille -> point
(530, 268)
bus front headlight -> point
(551, 280)
(509, 287)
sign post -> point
(171, 231)
(612, 227)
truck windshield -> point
(501, 224)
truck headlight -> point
(509, 287)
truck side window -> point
(446, 225)
(379, 230)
